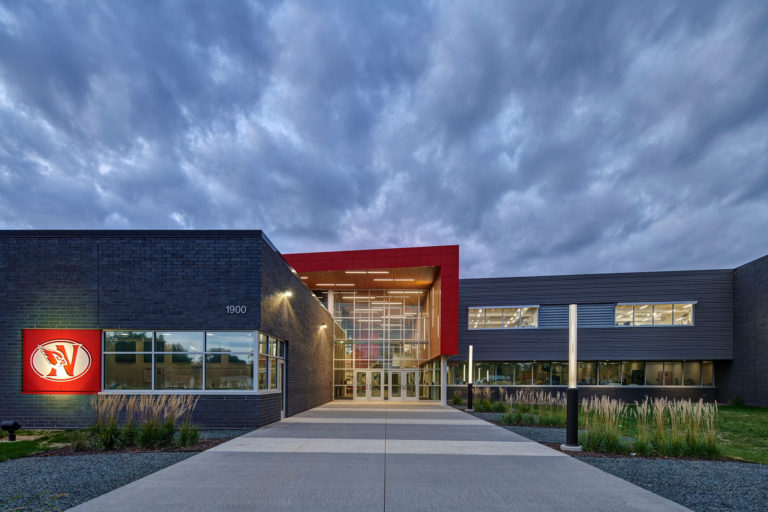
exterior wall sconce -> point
(288, 293)
(323, 325)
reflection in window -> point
(654, 373)
(493, 318)
(179, 341)
(673, 373)
(624, 315)
(644, 314)
(476, 318)
(683, 314)
(503, 318)
(633, 373)
(559, 374)
(178, 371)
(662, 314)
(691, 373)
(609, 372)
(653, 314)
(586, 373)
(229, 371)
(589, 373)
(529, 317)
(127, 371)
(541, 375)
(511, 317)
(523, 374)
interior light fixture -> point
(345, 284)
(382, 279)
(405, 279)
(304, 277)
(324, 284)
(405, 291)
(378, 271)
(355, 272)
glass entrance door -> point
(404, 385)
(369, 385)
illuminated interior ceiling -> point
(410, 278)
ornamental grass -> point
(149, 421)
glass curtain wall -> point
(384, 329)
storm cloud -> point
(543, 137)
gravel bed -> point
(702, 486)
(58, 483)
(224, 433)
(539, 434)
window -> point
(654, 373)
(586, 373)
(589, 373)
(652, 314)
(633, 373)
(691, 373)
(608, 372)
(503, 318)
(559, 374)
(190, 360)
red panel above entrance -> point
(444, 257)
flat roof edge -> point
(132, 233)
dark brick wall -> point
(298, 320)
(748, 377)
(46, 283)
(628, 394)
(135, 280)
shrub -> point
(508, 418)
(526, 418)
(456, 400)
(737, 400)
(188, 434)
(129, 435)
(108, 435)
(499, 407)
(79, 440)
(149, 435)
(167, 432)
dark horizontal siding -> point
(710, 338)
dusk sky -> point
(542, 137)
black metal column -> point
(572, 416)
(469, 396)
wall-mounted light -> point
(323, 325)
(288, 293)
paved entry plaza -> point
(393, 456)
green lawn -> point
(18, 449)
(743, 433)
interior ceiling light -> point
(405, 291)
(404, 279)
(324, 284)
(380, 279)
(355, 272)
(378, 271)
(304, 277)
(345, 284)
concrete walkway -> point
(380, 456)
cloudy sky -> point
(543, 137)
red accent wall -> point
(83, 380)
(446, 257)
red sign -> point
(61, 361)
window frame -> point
(673, 303)
(520, 309)
(271, 362)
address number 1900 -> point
(236, 310)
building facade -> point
(258, 335)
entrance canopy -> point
(431, 270)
